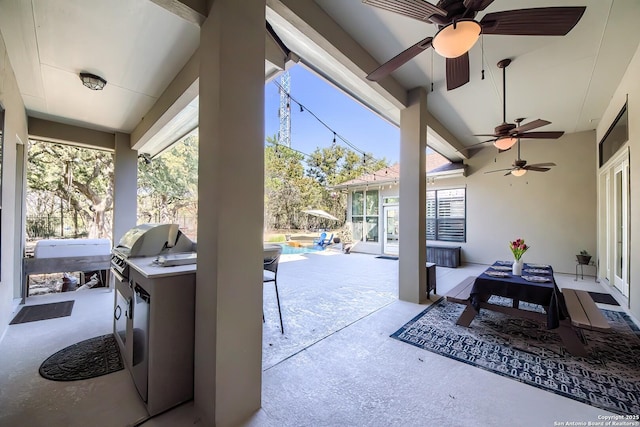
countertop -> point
(145, 266)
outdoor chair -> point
(320, 239)
(270, 274)
(326, 242)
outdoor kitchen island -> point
(157, 305)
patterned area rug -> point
(525, 351)
(87, 359)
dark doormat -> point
(526, 351)
(32, 313)
(603, 298)
(388, 257)
(87, 359)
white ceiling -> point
(136, 45)
(567, 80)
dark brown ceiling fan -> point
(458, 31)
(506, 134)
(520, 166)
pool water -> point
(289, 250)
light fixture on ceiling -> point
(92, 81)
(456, 38)
(505, 142)
(518, 172)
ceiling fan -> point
(458, 31)
(506, 134)
(520, 166)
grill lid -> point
(153, 239)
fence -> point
(55, 226)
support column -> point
(228, 330)
(125, 188)
(413, 144)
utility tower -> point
(284, 134)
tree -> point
(168, 185)
(287, 189)
(78, 180)
(290, 189)
(334, 165)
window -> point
(615, 137)
(365, 215)
(391, 200)
(446, 215)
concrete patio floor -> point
(335, 365)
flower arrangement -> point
(518, 247)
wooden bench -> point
(462, 292)
(583, 311)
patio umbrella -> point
(320, 213)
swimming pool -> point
(289, 250)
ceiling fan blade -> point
(536, 169)
(476, 144)
(541, 21)
(477, 5)
(400, 59)
(541, 165)
(508, 173)
(500, 170)
(416, 9)
(541, 135)
(531, 125)
(457, 71)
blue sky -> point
(346, 117)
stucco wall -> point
(554, 211)
(15, 127)
(629, 86)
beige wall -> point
(15, 128)
(555, 211)
(629, 86)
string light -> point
(322, 122)
(336, 136)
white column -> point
(413, 145)
(125, 189)
(228, 330)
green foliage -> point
(289, 189)
(64, 180)
(168, 186)
(277, 238)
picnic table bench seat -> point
(583, 311)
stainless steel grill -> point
(148, 240)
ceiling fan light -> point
(456, 38)
(92, 81)
(518, 172)
(505, 142)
